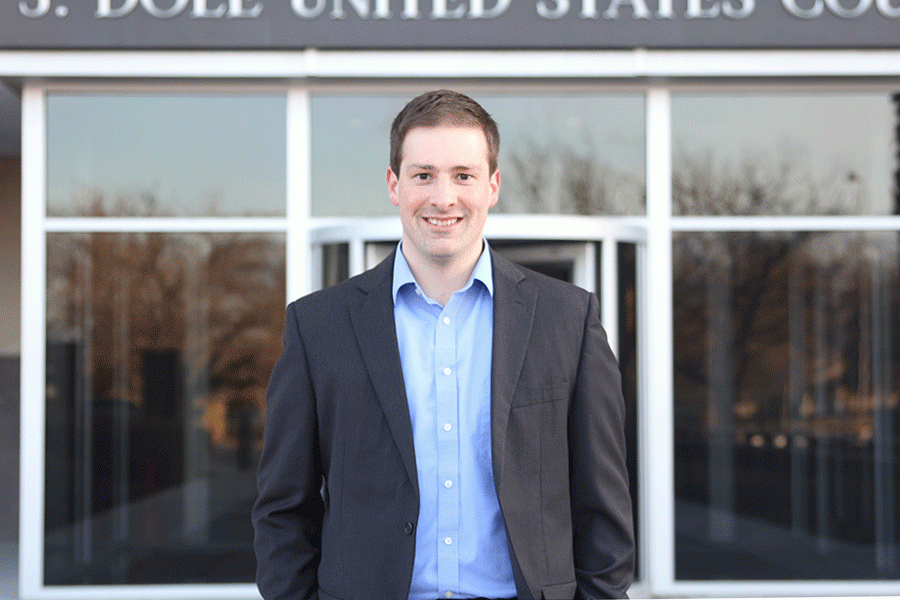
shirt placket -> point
(448, 451)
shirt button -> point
(408, 528)
(446, 320)
(448, 484)
(448, 541)
(447, 426)
(449, 594)
(447, 370)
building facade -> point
(725, 175)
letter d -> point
(106, 11)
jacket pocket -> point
(541, 395)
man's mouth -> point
(443, 222)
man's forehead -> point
(445, 130)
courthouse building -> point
(725, 174)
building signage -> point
(513, 24)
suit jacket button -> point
(408, 528)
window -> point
(159, 342)
(787, 420)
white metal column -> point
(655, 414)
(34, 262)
(298, 260)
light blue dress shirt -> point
(461, 544)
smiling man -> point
(443, 188)
(447, 424)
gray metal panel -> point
(371, 24)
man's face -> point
(443, 190)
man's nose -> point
(444, 195)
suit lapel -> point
(372, 314)
(514, 304)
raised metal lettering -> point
(665, 10)
(885, 8)
(477, 10)
(745, 10)
(638, 7)
(848, 13)
(544, 10)
(301, 10)
(382, 9)
(803, 13)
(411, 9)
(201, 11)
(106, 11)
(695, 10)
(42, 7)
(360, 6)
(168, 13)
(237, 10)
(439, 10)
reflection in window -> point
(785, 154)
(335, 263)
(787, 419)
(159, 347)
(569, 154)
(166, 155)
(627, 353)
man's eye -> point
(421, 176)
(464, 176)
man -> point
(447, 424)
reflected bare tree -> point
(554, 178)
(762, 185)
(776, 336)
(213, 300)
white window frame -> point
(577, 233)
(299, 73)
(35, 227)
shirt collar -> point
(482, 272)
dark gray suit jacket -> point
(338, 492)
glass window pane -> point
(159, 348)
(335, 263)
(570, 154)
(165, 155)
(787, 421)
(785, 154)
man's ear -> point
(495, 187)
(392, 182)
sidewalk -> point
(9, 571)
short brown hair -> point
(443, 107)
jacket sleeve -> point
(288, 513)
(602, 528)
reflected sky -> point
(540, 135)
(224, 155)
(195, 155)
(842, 144)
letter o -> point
(848, 13)
(153, 10)
(885, 8)
(803, 13)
